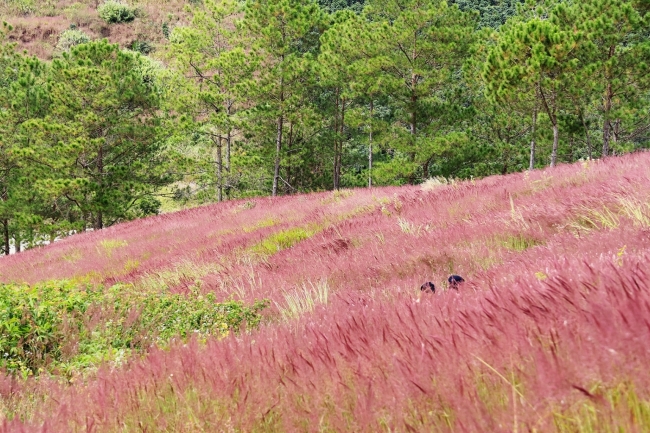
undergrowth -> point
(59, 326)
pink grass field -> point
(551, 331)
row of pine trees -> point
(286, 96)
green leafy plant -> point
(116, 12)
(142, 47)
(70, 38)
(58, 325)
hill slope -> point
(38, 25)
(548, 333)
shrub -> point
(21, 7)
(71, 38)
(116, 12)
(165, 30)
(60, 325)
(142, 47)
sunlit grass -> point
(283, 239)
(303, 299)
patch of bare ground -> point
(37, 30)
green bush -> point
(116, 12)
(142, 47)
(70, 38)
(59, 326)
(21, 7)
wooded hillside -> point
(218, 99)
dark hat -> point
(455, 279)
(428, 286)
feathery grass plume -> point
(303, 299)
(549, 332)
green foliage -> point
(33, 321)
(116, 12)
(105, 104)
(337, 5)
(280, 96)
(492, 13)
(70, 38)
(283, 239)
(165, 29)
(60, 325)
(19, 7)
(142, 47)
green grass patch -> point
(283, 239)
(183, 271)
(110, 245)
(337, 196)
(518, 242)
(588, 219)
(268, 222)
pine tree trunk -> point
(228, 149)
(99, 222)
(615, 129)
(587, 138)
(411, 177)
(413, 121)
(219, 169)
(335, 179)
(531, 166)
(556, 129)
(606, 132)
(289, 171)
(370, 149)
(339, 152)
(278, 148)
(5, 227)
(556, 140)
(414, 100)
(609, 94)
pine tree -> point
(23, 97)
(616, 50)
(535, 59)
(100, 140)
(212, 69)
(422, 44)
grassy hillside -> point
(549, 333)
(38, 24)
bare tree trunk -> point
(278, 148)
(99, 222)
(289, 145)
(339, 152)
(219, 169)
(5, 227)
(413, 121)
(609, 94)
(531, 166)
(370, 149)
(335, 178)
(228, 149)
(606, 132)
(615, 131)
(556, 129)
(556, 140)
(587, 138)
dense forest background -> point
(226, 99)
